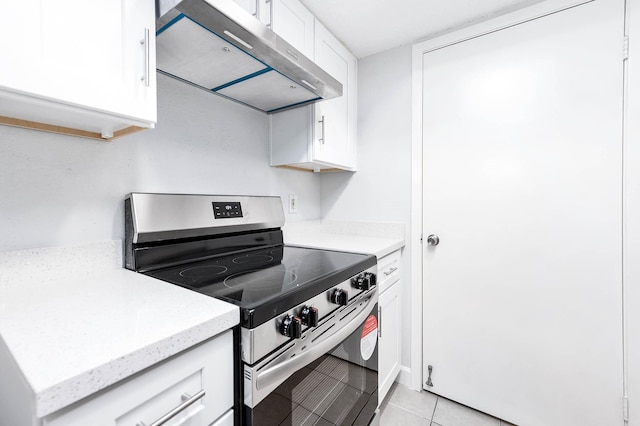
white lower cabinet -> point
(225, 420)
(389, 319)
(203, 374)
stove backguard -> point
(167, 229)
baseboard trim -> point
(404, 378)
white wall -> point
(58, 190)
(381, 189)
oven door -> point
(327, 377)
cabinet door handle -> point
(145, 43)
(321, 139)
(379, 322)
(180, 408)
(390, 271)
(270, 24)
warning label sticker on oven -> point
(369, 337)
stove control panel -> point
(339, 297)
(227, 210)
(309, 316)
(305, 319)
(291, 327)
(364, 281)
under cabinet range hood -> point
(218, 46)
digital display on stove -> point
(227, 210)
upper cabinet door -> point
(96, 56)
(321, 136)
(250, 6)
(336, 118)
(294, 23)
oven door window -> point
(339, 388)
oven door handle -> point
(284, 369)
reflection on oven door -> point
(339, 388)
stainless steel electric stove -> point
(307, 342)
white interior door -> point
(522, 145)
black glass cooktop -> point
(266, 282)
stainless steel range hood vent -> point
(218, 46)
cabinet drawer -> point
(388, 270)
(148, 396)
(225, 420)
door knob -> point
(433, 240)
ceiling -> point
(372, 26)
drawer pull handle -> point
(390, 271)
(180, 408)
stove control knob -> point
(364, 281)
(372, 278)
(291, 327)
(339, 297)
(309, 316)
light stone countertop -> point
(73, 334)
(376, 238)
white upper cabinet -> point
(294, 23)
(85, 66)
(336, 118)
(250, 6)
(322, 136)
(291, 21)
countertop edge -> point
(375, 238)
(35, 278)
(48, 401)
(366, 238)
(387, 248)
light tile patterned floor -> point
(403, 406)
